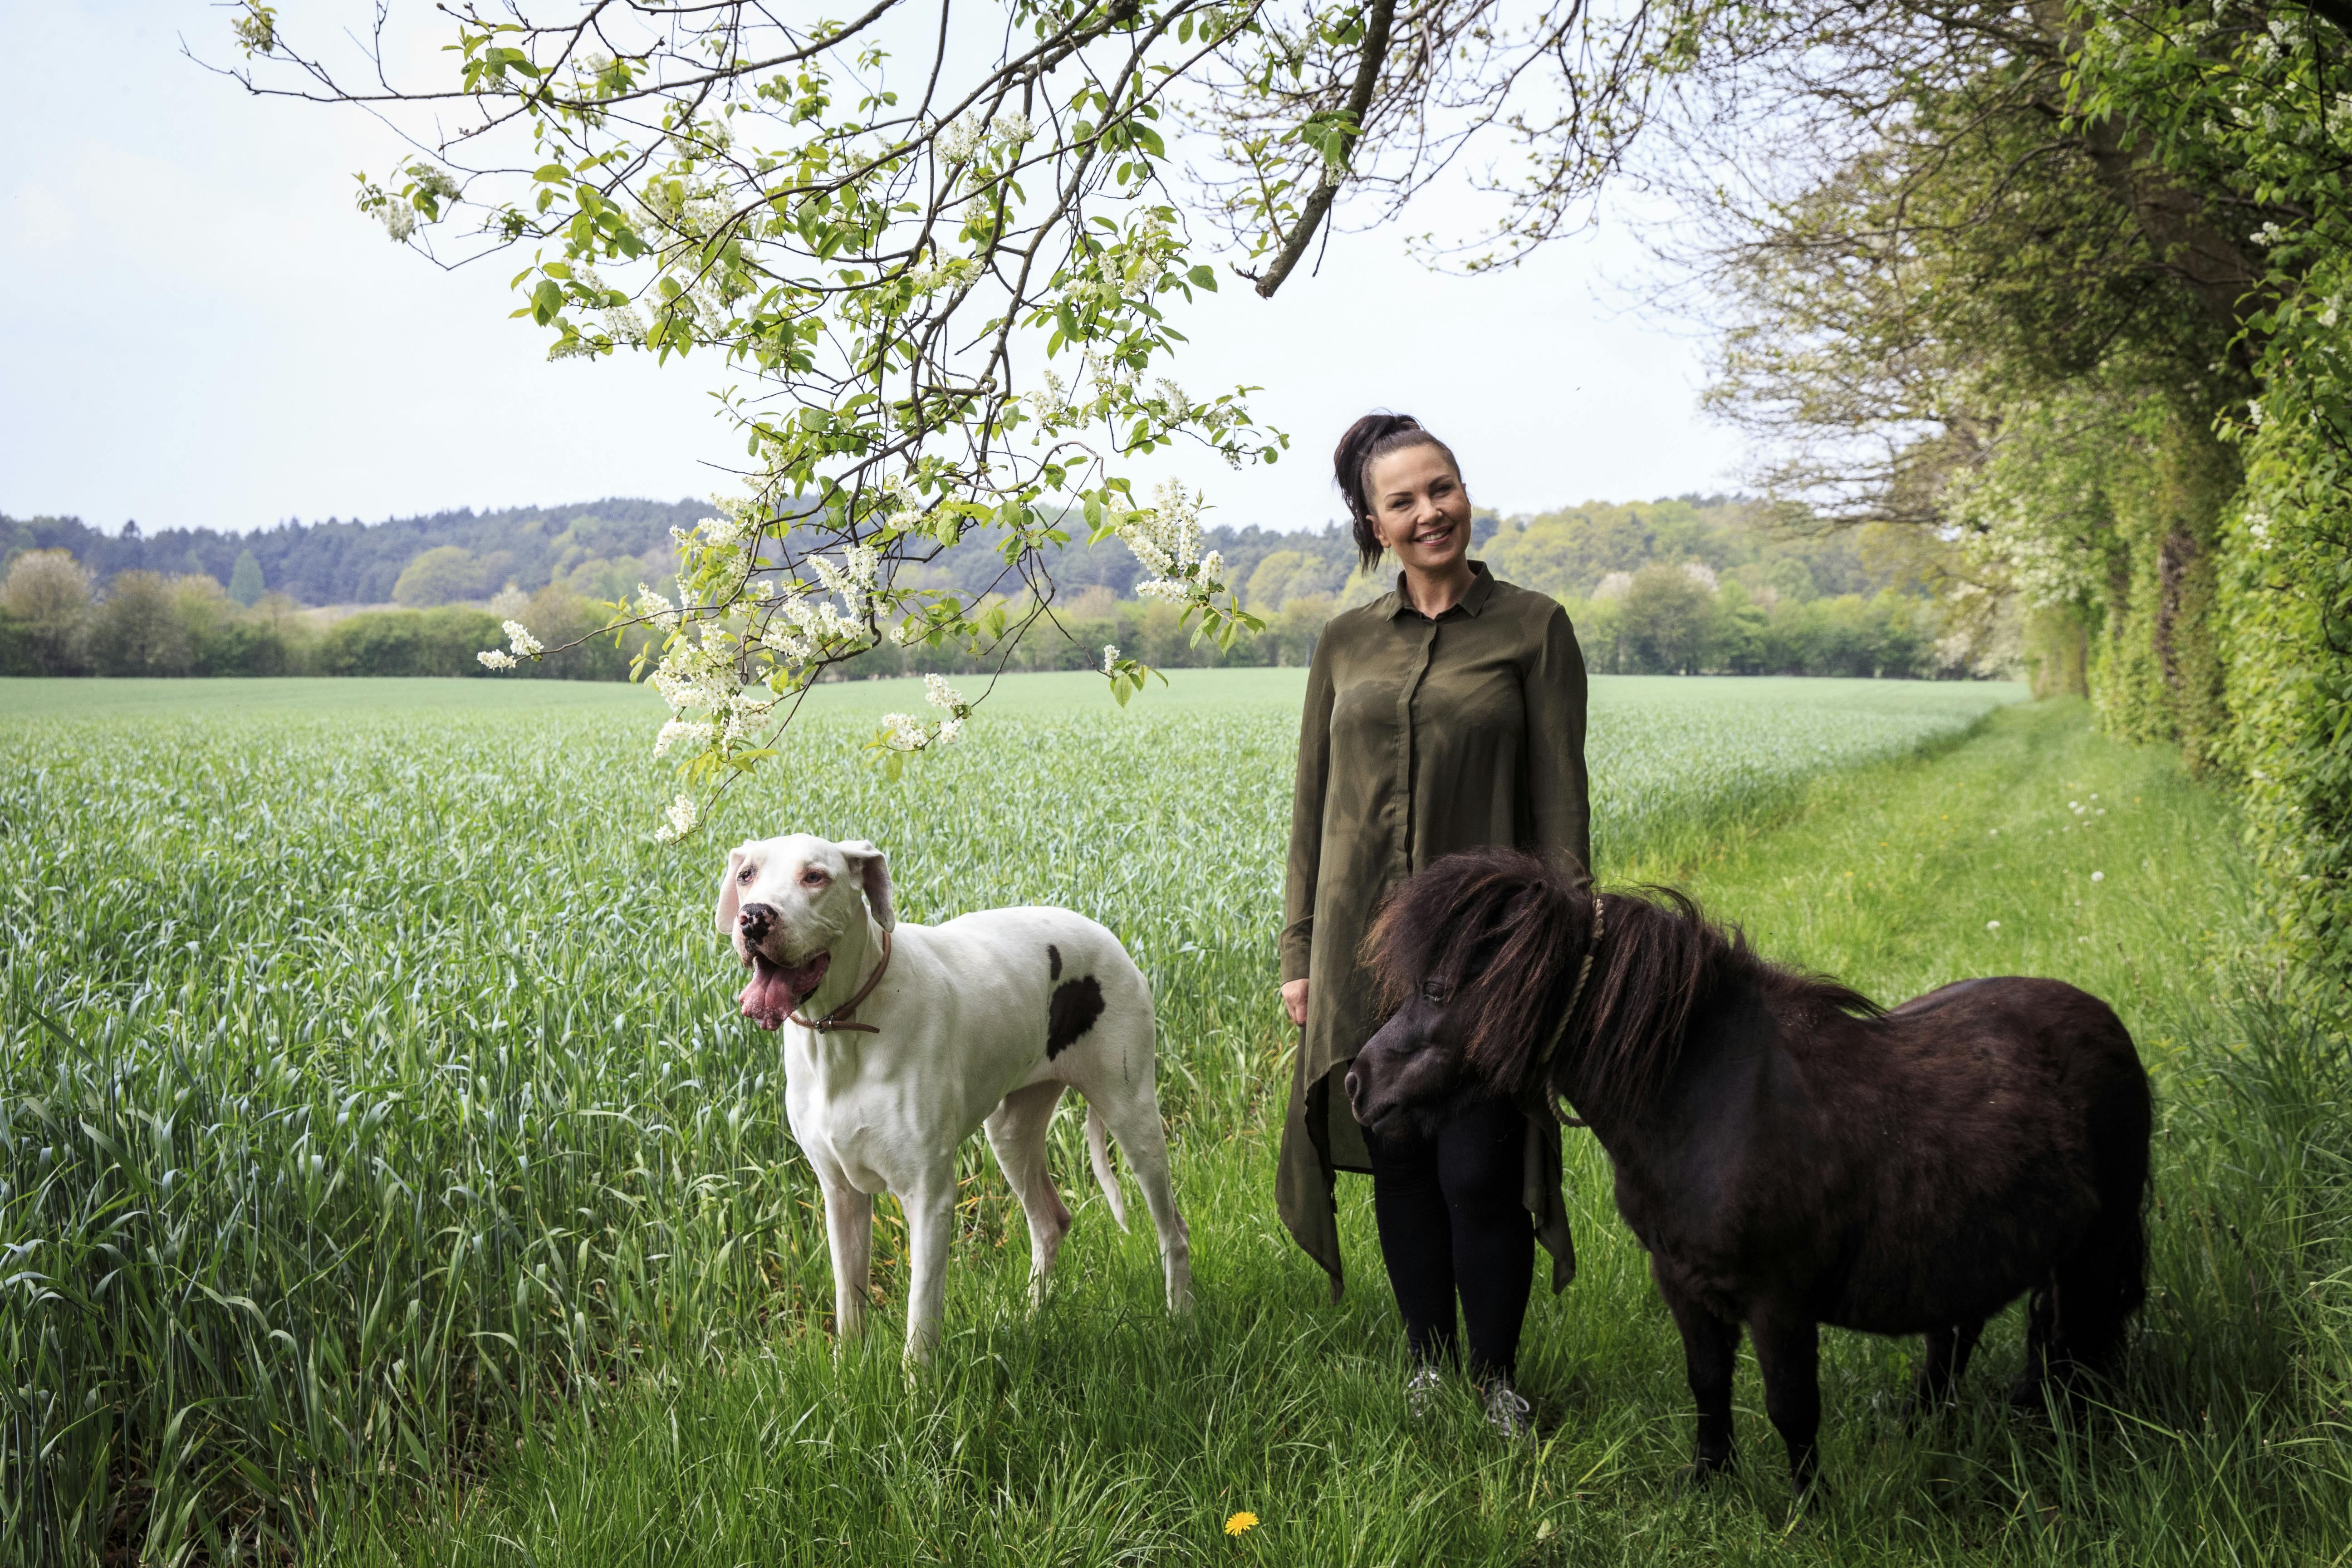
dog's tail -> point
(1099, 1152)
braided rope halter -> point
(1553, 1100)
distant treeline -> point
(604, 549)
(593, 549)
(149, 626)
(1688, 585)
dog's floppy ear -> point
(729, 902)
(875, 871)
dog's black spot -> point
(1053, 957)
(1077, 1004)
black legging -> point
(1452, 1221)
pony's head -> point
(1474, 958)
(1479, 960)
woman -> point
(1446, 714)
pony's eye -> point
(1434, 991)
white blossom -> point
(399, 219)
(678, 730)
(2098, 876)
(1992, 925)
(1110, 657)
(496, 658)
(1051, 405)
(657, 609)
(950, 729)
(439, 182)
(1167, 540)
(959, 142)
(521, 641)
(939, 694)
(1010, 130)
(681, 815)
(902, 732)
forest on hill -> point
(1679, 585)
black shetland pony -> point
(1788, 1154)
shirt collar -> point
(1481, 588)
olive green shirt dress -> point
(1420, 737)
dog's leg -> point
(1016, 1130)
(1133, 1117)
(930, 1207)
(849, 1231)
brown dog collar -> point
(844, 1019)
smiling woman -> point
(1447, 715)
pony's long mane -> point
(1506, 934)
(1497, 927)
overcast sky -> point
(203, 332)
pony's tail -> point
(2103, 1282)
(1098, 1155)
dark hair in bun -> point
(1372, 436)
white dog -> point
(900, 1039)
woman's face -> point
(1419, 508)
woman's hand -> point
(1294, 1002)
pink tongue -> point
(776, 989)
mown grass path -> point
(1096, 1432)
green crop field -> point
(384, 1175)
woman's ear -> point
(874, 871)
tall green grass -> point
(1096, 1431)
(370, 1084)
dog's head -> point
(787, 902)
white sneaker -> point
(1421, 1391)
(1506, 1413)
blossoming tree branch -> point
(944, 251)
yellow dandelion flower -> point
(1241, 1521)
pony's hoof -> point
(1697, 1476)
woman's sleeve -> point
(1307, 816)
(1555, 703)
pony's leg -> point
(1949, 1350)
(1016, 1130)
(1788, 1351)
(1710, 1353)
(2040, 1324)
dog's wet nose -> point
(754, 920)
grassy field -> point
(378, 1132)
